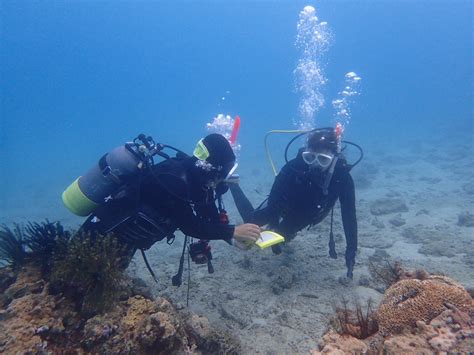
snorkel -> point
(235, 131)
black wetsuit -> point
(297, 200)
(153, 206)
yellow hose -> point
(267, 151)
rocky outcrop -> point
(31, 313)
(423, 316)
(388, 205)
(466, 219)
(283, 280)
(35, 321)
(337, 344)
(451, 331)
(412, 300)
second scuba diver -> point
(305, 192)
(141, 203)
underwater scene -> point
(236, 177)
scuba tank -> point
(111, 172)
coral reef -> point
(43, 240)
(85, 269)
(35, 321)
(12, 248)
(30, 312)
(451, 331)
(420, 313)
(412, 300)
(358, 323)
(383, 272)
(336, 344)
(64, 292)
(89, 272)
(143, 326)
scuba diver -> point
(140, 202)
(306, 190)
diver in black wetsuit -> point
(178, 193)
(305, 191)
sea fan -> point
(12, 247)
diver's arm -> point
(207, 211)
(201, 228)
(243, 204)
(277, 200)
(259, 216)
(349, 220)
(241, 236)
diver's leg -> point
(242, 203)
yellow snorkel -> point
(285, 131)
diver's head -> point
(322, 146)
(215, 159)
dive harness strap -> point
(150, 270)
(332, 244)
(329, 175)
(177, 279)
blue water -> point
(78, 78)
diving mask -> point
(322, 159)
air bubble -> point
(313, 40)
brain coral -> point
(411, 300)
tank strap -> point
(332, 243)
(150, 270)
(107, 171)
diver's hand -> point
(246, 235)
